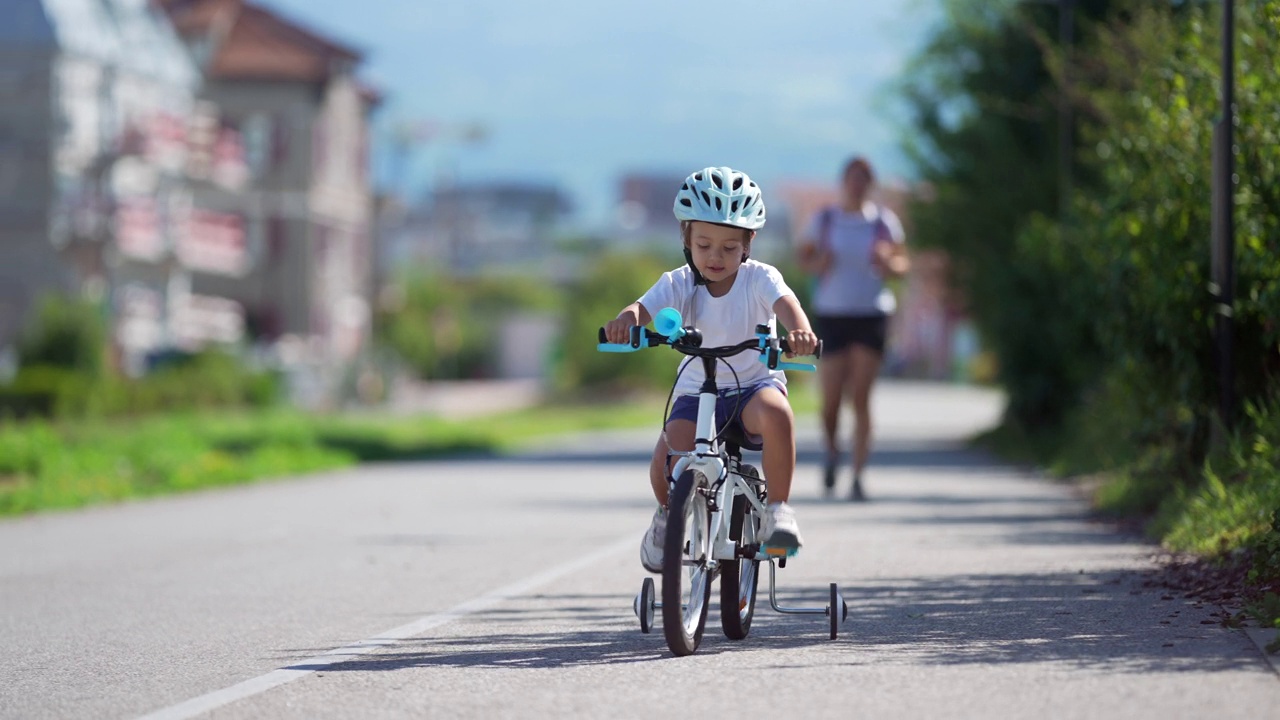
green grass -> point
(47, 466)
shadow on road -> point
(1094, 620)
(920, 454)
(1080, 620)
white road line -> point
(204, 703)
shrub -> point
(612, 282)
(65, 333)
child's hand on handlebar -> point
(618, 330)
(802, 342)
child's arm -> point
(800, 335)
(618, 330)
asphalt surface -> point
(483, 588)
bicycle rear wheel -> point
(686, 572)
(739, 578)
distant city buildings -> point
(482, 227)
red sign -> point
(138, 229)
(214, 242)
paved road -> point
(502, 588)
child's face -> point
(717, 249)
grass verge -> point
(46, 466)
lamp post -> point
(1222, 266)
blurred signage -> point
(229, 168)
(132, 176)
(202, 134)
(166, 141)
(202, 319)
(213, 242)
(138, 229)
(139, 318)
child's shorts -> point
(730, 399)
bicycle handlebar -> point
(688, 340)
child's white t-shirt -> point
(726, 320)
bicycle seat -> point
(735, 440)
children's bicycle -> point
(715, 507)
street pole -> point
(1222, 285)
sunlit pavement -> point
(503, 588)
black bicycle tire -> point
(673, 574)
(736, 622)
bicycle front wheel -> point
(739, 578)
(686, 571)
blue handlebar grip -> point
(788, 365)
(615, 347)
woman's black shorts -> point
(839, 331)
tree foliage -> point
(985, 123)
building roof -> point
(249, 42)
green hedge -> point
(209, 380)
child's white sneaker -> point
(779, 529)
(654, 539)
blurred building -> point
(644, 207)
(294, 98)
(644, 217)
(101, 193)
(488, 227)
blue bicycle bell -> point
(669, 323)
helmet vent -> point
(718, 205)
(737, 183)
(716, 179)
(685, 202)
(698, 177)
(733, 207)
(706, 198)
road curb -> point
(1261, 637)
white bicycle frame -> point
(706, 458)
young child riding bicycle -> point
(725, 295)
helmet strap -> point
(698, 279)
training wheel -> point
(644, 605)
(836, 611)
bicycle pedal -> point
(780, 552)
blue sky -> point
(575, 93)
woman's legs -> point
(833, 375)
(863, 369)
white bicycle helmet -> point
(723, 196)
